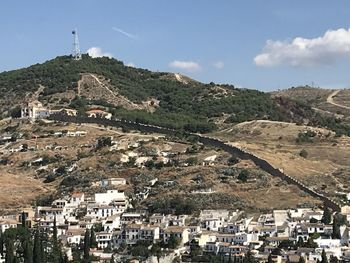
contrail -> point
(124, 33)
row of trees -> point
(37, 245)
(22, 244)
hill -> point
(328, 102)
(159, 98)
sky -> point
(260, 44)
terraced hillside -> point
(48, 161)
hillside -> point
(315, 156)
(328, 102)
(46, 161)
(165, 99)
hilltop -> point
(160, 98)
(328, 102)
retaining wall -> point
(263, 164)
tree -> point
(243, 176)
(37, 248)
(15, 112)
(173, 241)
(303, 153)
(327, 216)
(300, 242)
(310, 243)
(86, 246)
(65, 259)
(28, 250)
(333, 259)
(103, 142)
(313, 220)
(56, 253)
(191, 161)
(93, 242)
(324, 257)
(232, 160)
(1, 244)
(23, 219)
(156, 251)
(269, 259)
(9, 257)
(338, 220)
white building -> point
(112, 196)
(6, 224)
(34, 110)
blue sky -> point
(222, 41)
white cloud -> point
(119, 30)
(219, 64)
(130, 64)
(304, 52)
(96, 52)
(189, 66)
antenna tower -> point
(76, 50)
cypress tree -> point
(327, 216)
(56, 250)
(324, 257)
(28, 251)
(86, 246)
(9, 258)
(336, 229)
(23, 219)
(43, 245)
(1, 244)
(93, 243)
(37, 257)
(269, 259)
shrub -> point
(243, 176)
(303, 153)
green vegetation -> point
(190, 107)
(303, 153)
(175, 204)
(243, 176)
(327, 215)
(306, 137)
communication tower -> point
(76, 50)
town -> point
(174, 131)
(107, 222)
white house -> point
(6, 224)
(77, 199)
(34, 110)
(75, 236)
(112, 223)
(109, 197)
(103, 239)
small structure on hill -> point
(99, 114)
(34, 110)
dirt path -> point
(331, 100)
(115, 95)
